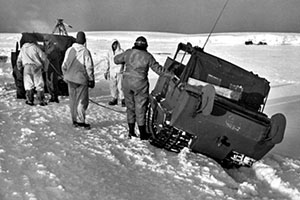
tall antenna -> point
(215, 24)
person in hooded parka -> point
(114, 74)
(34, 61)
(135, 84)
(78, 72)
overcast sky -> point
(179, 16)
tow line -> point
(103, 106)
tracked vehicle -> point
(214, 108)
(58, 44)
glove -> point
(91, 84)
(106, 75)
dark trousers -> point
(52, 83)
(136, 103)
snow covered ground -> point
(42, 157)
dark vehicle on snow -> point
(56, 45)
(214, 108)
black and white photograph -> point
(149, 100)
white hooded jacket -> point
(31, 54)
(78, 65)
(112, 68)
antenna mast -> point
(215, 24)
(60, 26)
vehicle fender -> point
(278, 124)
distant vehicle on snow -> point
(250, 42)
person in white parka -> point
(114, 73)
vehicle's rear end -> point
(60, 43)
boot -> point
(143, 133)
(41, 98)
(113, 102)
(21, 94)
(131, 130)
(29, 97)
(54, 98)
(81, 124)
(123, 102)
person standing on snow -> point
(114, 74)
(34, 61)
(135, 83)
(52, 72)
(78, 72)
